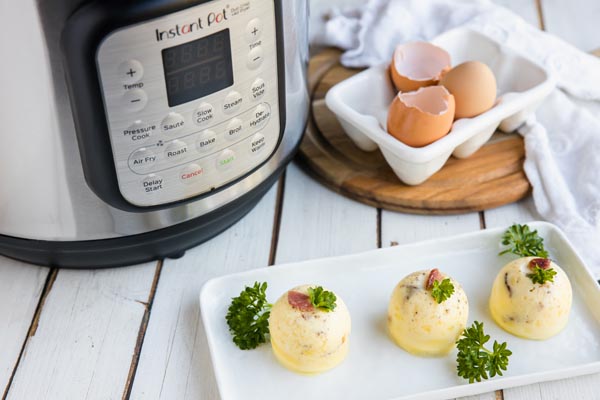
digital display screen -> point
(199, 68)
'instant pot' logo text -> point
(214, 18)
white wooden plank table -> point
(136, 333)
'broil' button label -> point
(260, 117)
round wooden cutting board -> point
(490, 178)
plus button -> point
(131, 72)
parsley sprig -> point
(523, 242)
(474, 361)
(322, 299)
(248, 317)
(541, 276)
(442, 291)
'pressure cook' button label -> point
(235, 129)
(257, 144)
(258, 89)
(204, 114)
(225, 159)
(142, 160)
(172, 123)
(176, 150)
(152, 184)
(260, 117)
(191, 174)
(207, 141)
(233, 102)
(139, 132)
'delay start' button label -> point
(257, 144)
(152, 184)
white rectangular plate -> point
(376, 368)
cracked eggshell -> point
(473, 86)
(420, 118)
(530, 310)
(418, 64)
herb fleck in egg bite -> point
(310, 330)
(427, 313)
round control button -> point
(191, 174)
(207, 141)
(232, 103)
(135, 100)
(142, 160)
(225, 159)
(255, 57)
(131, 72)
(176, 150)
(260, 116)
(257, 144)
(172, 123)
(204, 114)
(235, 129)
(139, 132)
(152, 184)
(254, 30)
(258, 89)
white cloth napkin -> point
(562, 143)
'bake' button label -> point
(207, 141)
(204, 114)
(152, 184)
(191, 173)
(260, 116)
(139, 132)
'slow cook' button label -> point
(204, 114)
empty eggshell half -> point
(420, 118)
(418, 64)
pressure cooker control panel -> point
(192, 99)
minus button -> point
(135, 100)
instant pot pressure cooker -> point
(134, 130)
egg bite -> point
(421, 325)
(306, 339)
(527, 309)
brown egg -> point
(422, 117)
(418, 64)
(473, 86)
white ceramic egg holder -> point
(361, 105)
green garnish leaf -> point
(322, 299)
(442, 291)
(248, 317)
(541, 276)
(474, 361)
(523, 242)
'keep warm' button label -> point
(257, 144)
